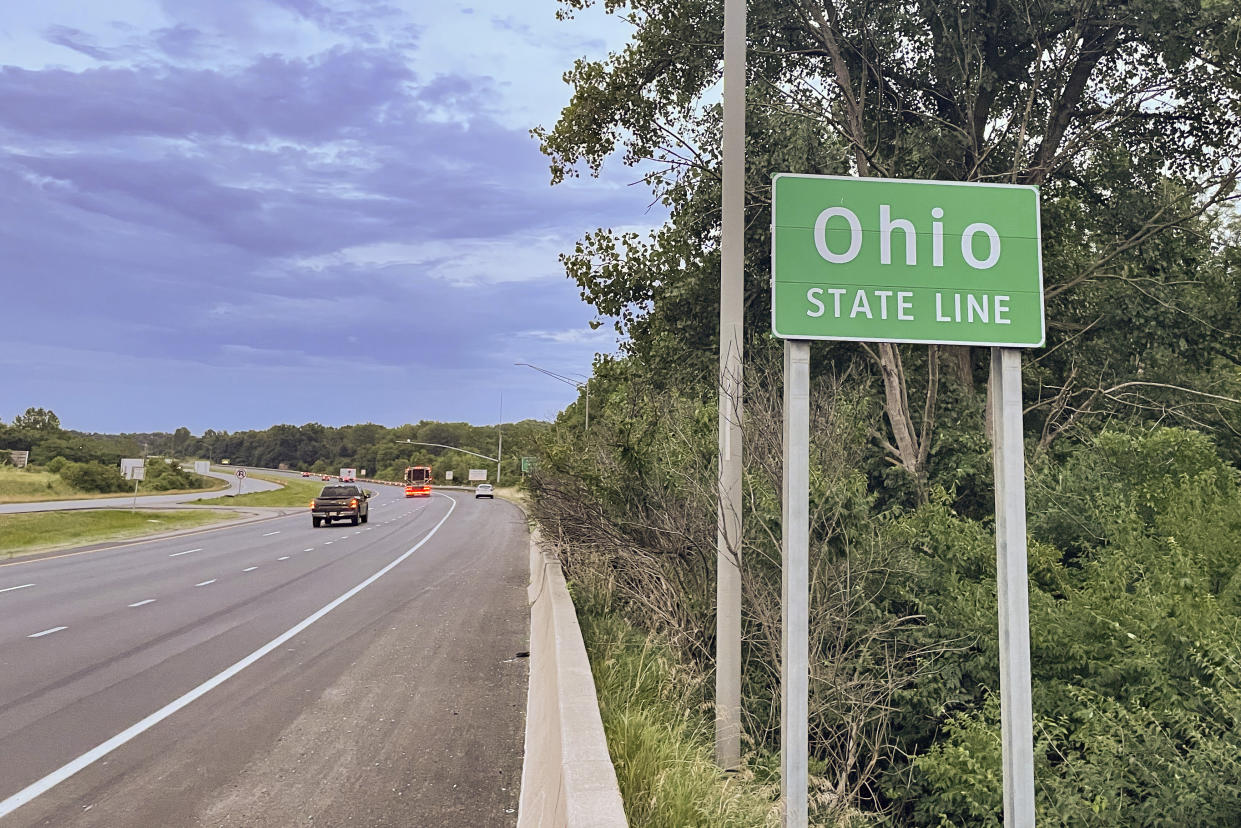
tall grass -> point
(660, 733)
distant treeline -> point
(382, 451)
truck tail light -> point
(312, 504)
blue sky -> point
(235, 213)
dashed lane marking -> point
(204, 583)
(47, 632)
(10, 589)
(186, 552)
(141, 603)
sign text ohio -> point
(882, 260)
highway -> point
(272, 674)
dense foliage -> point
(1128, 118)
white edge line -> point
(140, 603)
(47, 632)
(10, 589)
(96, 753)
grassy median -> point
(296, 491)
(22, 534)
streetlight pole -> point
(579, 385)
(732, 318)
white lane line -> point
(249, 569)
(327, 543)
(311, 549)
(186, 552)
(141, 603)
(204, 583)
(269, 534)
(285, 558)
(47, 632)
(101, 750)
(10, 589)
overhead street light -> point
(581, 385)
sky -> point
(230, 214)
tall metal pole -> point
(732, 293)
(500, 446)
(1012, 582)
(795, 588)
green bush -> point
(56, 464)
(93, 477)
(162, 476)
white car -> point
(484, 490)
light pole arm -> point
(451, 448)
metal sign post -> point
(1016, 703)
(241, 475)
(795, 587)
(879, 260)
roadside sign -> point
(478, 474)
(133, 468)
(883, 260)
(448, 475)
(527, 464)
(241, 472)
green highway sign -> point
(884, 260)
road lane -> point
(437, 631)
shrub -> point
(56, 464)
(93, 477)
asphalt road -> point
(272, 674)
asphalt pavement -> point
(272, 674)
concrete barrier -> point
(567, 778)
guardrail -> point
(567, 778)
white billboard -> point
(202, 466)
(478, 474)
(133, 468)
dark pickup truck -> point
(339, 503)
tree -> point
(37, 419)
(1126, 114)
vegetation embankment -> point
(1135, 613)
(22, 534)
(1132, 409)
(67, 481)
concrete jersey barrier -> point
(567, 778)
